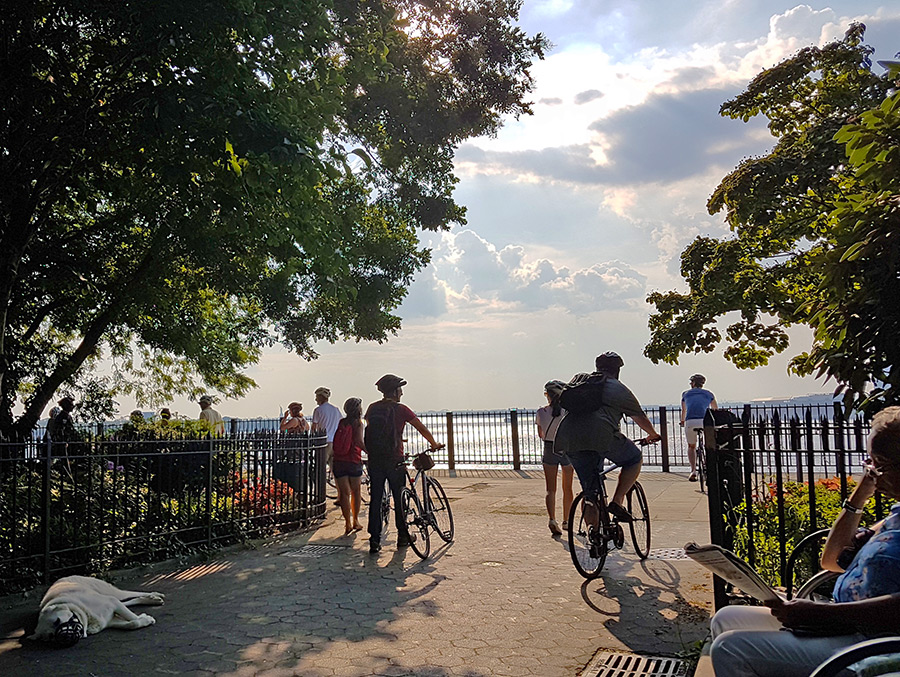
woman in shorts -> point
(547, 420)
(348, 447)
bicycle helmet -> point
(389, 383)
(698, 379)
(554, 387)
(610, 363)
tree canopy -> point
(184, 183)
(814, 231)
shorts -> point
(623, 452)
(690, 429)
(347, 469)
(552, 458)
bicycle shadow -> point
(648, 614)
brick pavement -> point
(503, 599)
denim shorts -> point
(552, 458)
(347, 469)
(623, 452)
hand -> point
(681, 423)
(653, 437)
(801, 613)
(438, 445)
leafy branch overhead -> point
(814, 227)
(185, 183)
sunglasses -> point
(871, 467)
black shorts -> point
(347, 469)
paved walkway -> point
(503, 599)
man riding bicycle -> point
(590, 437)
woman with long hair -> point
(347, 466)
(547, 420)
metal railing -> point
(772, 482)
(96, 504)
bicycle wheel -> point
(385, 508)
(701, 464)
(365, 493)
(439, 506)
(640, 525)
(588, 549)
(416, 525)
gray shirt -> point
(594, 431)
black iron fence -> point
(508, 437)
(96, 504)
(771, 482)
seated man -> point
(589, 438)
(752, 641)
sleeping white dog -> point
(78, 606)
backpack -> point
(383, 441)
(583, 394)
(343, 441)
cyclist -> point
(386, 420)
(589, 438)
(694, 403)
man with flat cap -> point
(326, 418)
(385, 421)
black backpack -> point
(584, 393)
(383, 442)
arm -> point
(713, 405)
(646, 425)
(418, 425)
(284, 421)
(683, 413)
(878, 614)
(847, 523)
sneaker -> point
(565, 525)
(406, 541)
(693, 477)
(554, 528)
(374, 547)
(620, 513)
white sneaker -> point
(554, 528)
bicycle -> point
(589, 546)
(430, 512)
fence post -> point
(514, 423)
(234, 427)
(714, 496)
(664, 437)
(209, 484)
(451, 451)
(45, 497)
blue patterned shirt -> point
(875, 570)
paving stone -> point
(261, 614)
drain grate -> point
(667, 553)
(315, 551)
(609, 664)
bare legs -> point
(627, 477)
(348, 494)
(550, 474)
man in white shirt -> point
(326, 417)
(211, 416)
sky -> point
(579, 211)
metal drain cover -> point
(315, 551)
(610, 664)
(667, 553)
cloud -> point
(477, 274)
(551, 101)
(667, 138)
(587, 96)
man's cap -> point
(206, 398)
(67, 398)
(324, 392)
(389, 383)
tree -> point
(184, 183)
(814, 228)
